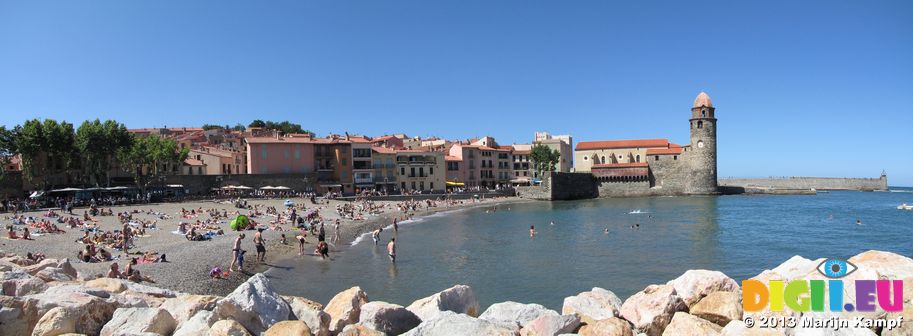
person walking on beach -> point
(126, 233)
(321, 233)
(235, 252)
(259, 243)
(391, 249)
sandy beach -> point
(189, 262)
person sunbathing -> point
(114, 272)
(11, 232)
(25, 234)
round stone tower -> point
(702, 154)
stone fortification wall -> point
(818, 183)
(625, 189)
(572, 186)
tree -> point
(257, 123)
(98, 143)
(61, 154)
(238, 127)
(207, 127)
(544, 158)
(7, 148)
(147, 158)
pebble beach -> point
(189, 262)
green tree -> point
(238, 127)
(149, 157)
(61, 154)
(544, 158)
(98, 142)
(7, 148)
(207, 127)
(257, 123)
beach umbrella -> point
(239, 222)
(282, 188)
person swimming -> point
(532, 231)
(858, 222)
(605, 231)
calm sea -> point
(493, 253)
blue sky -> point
(819, 88)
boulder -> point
(387, 317)
(55, 322)
(458, 299)
(131, 299)
(67, 268)
(19, 261)
(6, 266)
(906, 326)
(448, 323)
(128, 321)
(513, 315)
(54, 274)
(345, 308)
(185, 306)
(687, 324)
(597, 304)
(14, 320)
(888, 265)
(19, 283)
(311, 313)
(551, 324)
(35, 268)
(254, 304)
(228, 328)
(69, 288)
(359, 330)
(790, 269)
(696, 284)
(92, 311)
(652, 309)
(107, 284)
(149, 290)
(289, 328)
(738, 328)
(199, 324)
(612, 326)
(719, 307)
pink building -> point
(282, 155)
(470, 162)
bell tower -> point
(702, 154)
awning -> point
(175, 186)
(331, 185)
(455, 184)
(281, 188)
(519, 181)
(117, 188)
(66, 190)
(268, 188)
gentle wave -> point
(404, 223)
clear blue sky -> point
(802, 87)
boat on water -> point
(905, 207)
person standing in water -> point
(235, 252)
(532, 231)
(376, 235)
(391, 249)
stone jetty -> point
(51, 298)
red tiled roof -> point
(359, 139)
(640, 143)
(383, 150)
(262, 140)
(620, 165)
(452, 158)
(193, 162)
(665, 151)
(522, 152)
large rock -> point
(888, 265)
(13, 317)
(387, 317)
(149, 290)
(199, 324)
(92, 309)
(551, 324)
(359, 330)
(289, 328)
(458, 299)
(719, 307)
(738, 328)
(696, 284)
(19, 283)
(597, 304)
(652, 309)
(513, 315)
(448, 323)
(54, 274)
(19, 260)
(906, 327)
(228, 328)
(185, 306)
(792, 268)
(55, 322)
(127, 321)
(107, 284)
(687, 324)
(67, 268)
(345, 308)
(609, 327)
(311, 313)
(254, 304)
(130, 299)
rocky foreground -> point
(51, 298)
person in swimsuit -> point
(376, 235)
(235, 252)
(391, 249)
(532, 231)
(300, 238)
(259, 243)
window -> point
(421, 171)
(432, 186)
(638, 158)
(517, 173)
(343, 161)
(421, 185)
(430, 170)
(413, 185)
(412, 174)
(703, 113)
(584, 158)
(657, 158)
(675, 157)
(402, 171)
(603, 159)
(404, 186)
(700, 124)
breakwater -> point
(807, 183)
(49, 297)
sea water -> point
(493, 252)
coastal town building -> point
(280, 155)
(220, 161)
(385, 169)
(656, 166)
(564, 144)
(468, 170)
(362, 170)
(421, 170)
(522, 170)
(333, 157)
